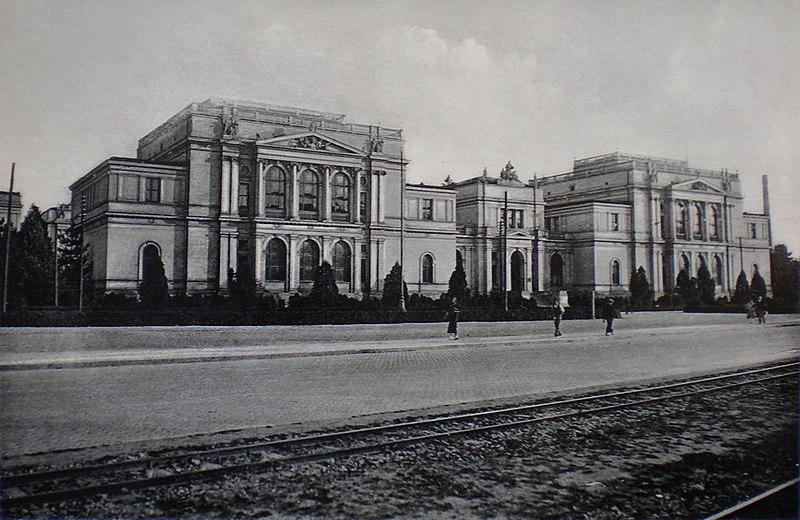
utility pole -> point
(8, 241)
(402, 231)
(505, 251)
(80, 257)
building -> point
(617, 212)
(228, 191)
(15, 203)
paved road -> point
(72, 388)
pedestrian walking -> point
(558, 312)
(761, 310)
(452, 318)
(750, 309)
(609, 313)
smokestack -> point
(765, 193)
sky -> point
(473, 84)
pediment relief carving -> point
(310, 141)
(696, 185)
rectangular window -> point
(753, 230)
(244, 190)
(427, 209)
(520, 219)
(615, 222)
(128, 187)
(152, 189)
(362, 206)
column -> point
(224, 255)
(325, 213)
(356, 285)
(225, 201)
(262, 188)
(326, 255)
(294, 196)
(235, 187)
(373, 198)
(381, 198)
(294, 262)
(259, 252)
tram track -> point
(25, 487)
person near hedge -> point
(609, 313)
(452, 318)
(558, 312)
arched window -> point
(685, 263)
(275, 191)
(276, 261)
(697, 222)
(701, 263)
(151, 263)
(680, 223)
(309, 260)
(556, 270)
(460, 259)
(342, 260)
(309, 194)
(427, 268)
(717, 266)
(714, 224)
(615, 278)
(340, 197)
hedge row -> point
(105, 318)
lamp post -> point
(8, 241)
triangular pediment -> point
(311, 140)
(697, 185)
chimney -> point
(765, 193)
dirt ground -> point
(687, 459)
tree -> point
(686, 287)
(742, 292)
(785, 274)
(758, 287)
(324, 292)
(69, 271)
(705, 285)
(641, 294)
(31, 267)
(457, 286)
(391, 288)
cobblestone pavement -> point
(72, 388)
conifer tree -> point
(705, 285)
(325, 292)
(391, 288)
(641, 294)
(742, 292)
(758, 287)
(69, 271)
(31, 267)
(457, 286)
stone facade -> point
(229, 191)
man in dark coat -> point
(609, 313)
(452, 318)
(558, 312)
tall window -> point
(276, 261)
(151, 263)
(342, 260)
(309, 194)
(556, 270)
(152, 189)
(309, 260)
(615, 272)
(717, 270)
(697, 222)
(680, 223)
(714, 224)
(244, 196)
(275, 191)
(340, 198)
(427, 268)
(663, 216)
(753, 231)
(427, 209)
(614, 223)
